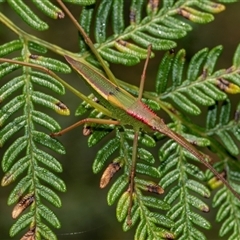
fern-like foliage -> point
(159, 28)
(24, 161)
(181, 91)
(221, 126)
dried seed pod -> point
(7, 179)
(152, 6)
(34, 56)
(108, 173)
(132, 16)
(30, 235)
(23, 203)
(226, 86)
(62, 108)
(155, 188)
(87, 131)
(215, 182)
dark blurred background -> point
(85, 213)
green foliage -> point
(24, 161)
(181, 90)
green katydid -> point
(127, 109)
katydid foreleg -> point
(83, 121)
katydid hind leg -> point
(184, 143)
(135, 141)
(132, 176)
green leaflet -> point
(157, 44)
(147, 170)
(81, 2)
(177, 69)
(49, 195)
(195, 64)
(13, 151)
(50, 102)
(6, 68)
(197, 203)
(211, 117)
(49, 9)
(131, 49)
(37, 48)
(45, 231)
(119, 57)
(85, 21)
(104, 154)
(116, 189)
(27, 15)
(136, 11)
(181, 101)
(210, 7)
(10, 47)
(21, 165)
(48, 160)
(165, 32)
(118, 16)
(21, 223)
(223, 120)
(51, 64)
(122, 206)
(45, 121)
(22, 187)
(47, 81)
(236, 57)
(175, 23)
(47, 141)
(48, 215)
(50, 178)
(195, 15)
(144, 138)
(10, 87)
(101, 22)
(11, 128)
(8, 109)
(155, 203)
(212, 58)
(163, 72)
(198, 188)
(135, 217)
(225, 112)
(199, 97)
(228, 142)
